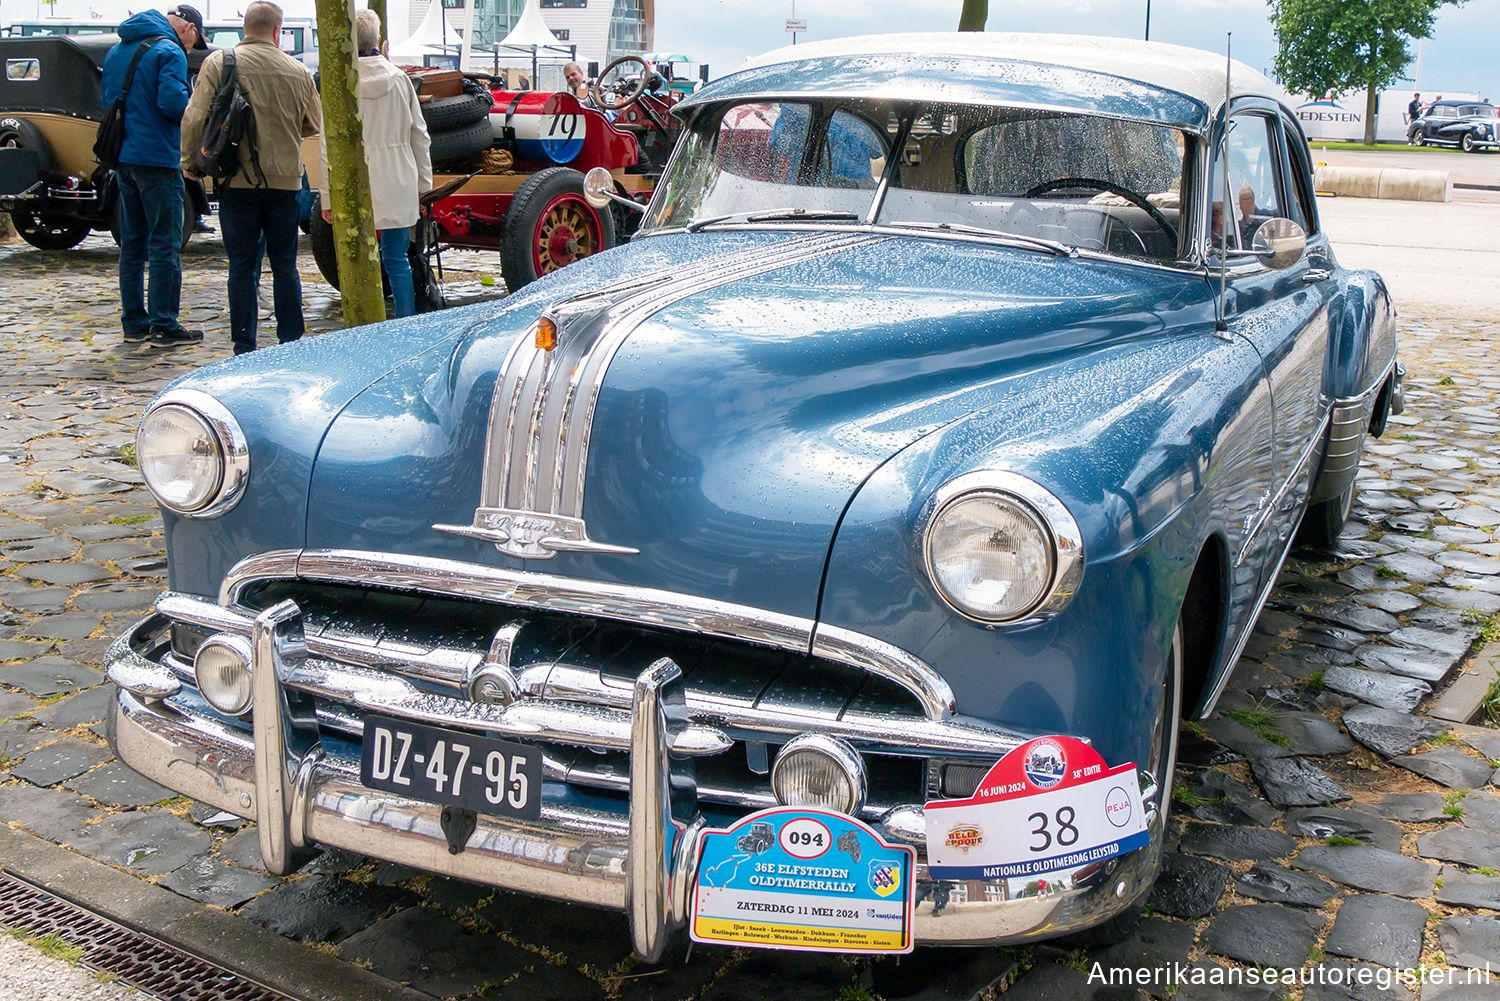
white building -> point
(601, 30)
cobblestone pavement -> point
(1337, 812)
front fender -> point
(1364, 336)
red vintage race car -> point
(509, 165)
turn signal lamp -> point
(821, 771)
(546, 333)
(221, 668)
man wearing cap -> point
(148, 179)
(259, 202)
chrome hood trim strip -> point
(618, 602)
(542, 411)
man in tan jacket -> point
(260, 200)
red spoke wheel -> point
(549, 225)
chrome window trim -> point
(1051, 514)
(234, 449)
(618, 602)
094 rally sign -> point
(797, 878)
(1051, 805)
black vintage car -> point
(50, 108)
(1469, 125)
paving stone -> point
(49, 676)
(148, 841)
(131, 599)
(88, 706)
(1448, 766)
(1356, 616)
(22, 649)
(585, 935)
(1188, 886)
(65, 574)
(1395, 602)
(67, 626)
(1450, 984)
(1367, 868)
(1235, 843)
(39, 600)
(1295, 782)
(1302, 661)
(1321, 823)
(1355, 982)
(1481, 810)
(1381, 929)
(39, 550)
(1388, 732)
(117, 784)
(50, 813)
(213, 817)
(1424, 665)
(1475, 517)
(1336, 637)
(208, 879)
(1243, 739)
(1312, 735)
(1455, 643)
(243, 849)
(1459, 535)
(435, 954)
(324, 908)
(1471, 940)
(1264, 935)
(62, 759)
(1155, 943)
(1276, 884)
(1414, 569)
(1224, 799)
(1388, 691)
(1478, 601)
(1469, 889)
(13, 705)
(1471, 847)
(1484, 739)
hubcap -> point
(565, 233)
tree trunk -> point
(975, 13)
(378, 6)
(348, 174)
(1372, 104)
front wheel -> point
(1324, 521)
(1162, 765)
(50, 232)
(1417, 139)
(1467, 143)
(549, 225)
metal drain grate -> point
(142, 962)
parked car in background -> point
(1469, 125)
(299, 35)
(829, 567)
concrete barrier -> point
(1388, 182)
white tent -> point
(434, 35)
(532, 34)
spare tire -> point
(448, 113)
(20, 133)
(460, 144)
(320, 235)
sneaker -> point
(199, 226)
(136, 336)
(162, 337)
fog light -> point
(821, 771)
(222, 669)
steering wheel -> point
(1138, 200)
(613, 96)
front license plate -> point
(476, 773)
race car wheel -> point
(50, 232)
(18, 132)
(460, 144)
(550, 225)
(447, 113)
(1467, 142)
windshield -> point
(1078, 181)
(1477, 110)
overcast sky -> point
(723, 33)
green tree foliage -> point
(348, 174)
(975, 13)
(1331, 46)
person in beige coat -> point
(396, 151)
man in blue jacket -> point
(149, 177)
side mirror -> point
(1279, 243)
(599, 190)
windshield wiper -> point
(775, 215)
(1035, 242)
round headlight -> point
(821, 771)
(221, 668)
(192, 454)
(1000, 548)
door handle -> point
(1316, 275)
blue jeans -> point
(249, 219)
(393, 243)
(150, 232)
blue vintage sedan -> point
(830, 567)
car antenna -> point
(1220, 325)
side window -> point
(1300, 205)
(1253, 152)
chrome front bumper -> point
(301, 794)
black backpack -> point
(111, 136)
(230, 124)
